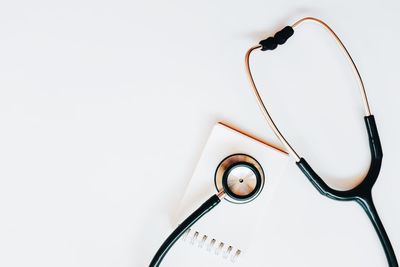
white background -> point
(105, 107)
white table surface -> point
(106, 105)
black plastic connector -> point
(279, 39)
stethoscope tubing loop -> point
(260, 102)
(360, 193)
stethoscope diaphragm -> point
(241, 177)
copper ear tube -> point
(260, 102)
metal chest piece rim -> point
(241, 177)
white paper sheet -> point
(233, 225)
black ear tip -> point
(288, 30)
(268, 44)
(279, 38)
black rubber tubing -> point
(362, 192)
(182, 228)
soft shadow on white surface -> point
(105, 107)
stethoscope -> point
(240, 178)
(360, 193)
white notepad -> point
(224, 235)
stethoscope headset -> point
(240, 178)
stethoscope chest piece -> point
(241, 177)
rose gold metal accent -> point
(221, 194)
(348, 56)
(253, 137)
(264, 110)
(261, 104)
(225, 164)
